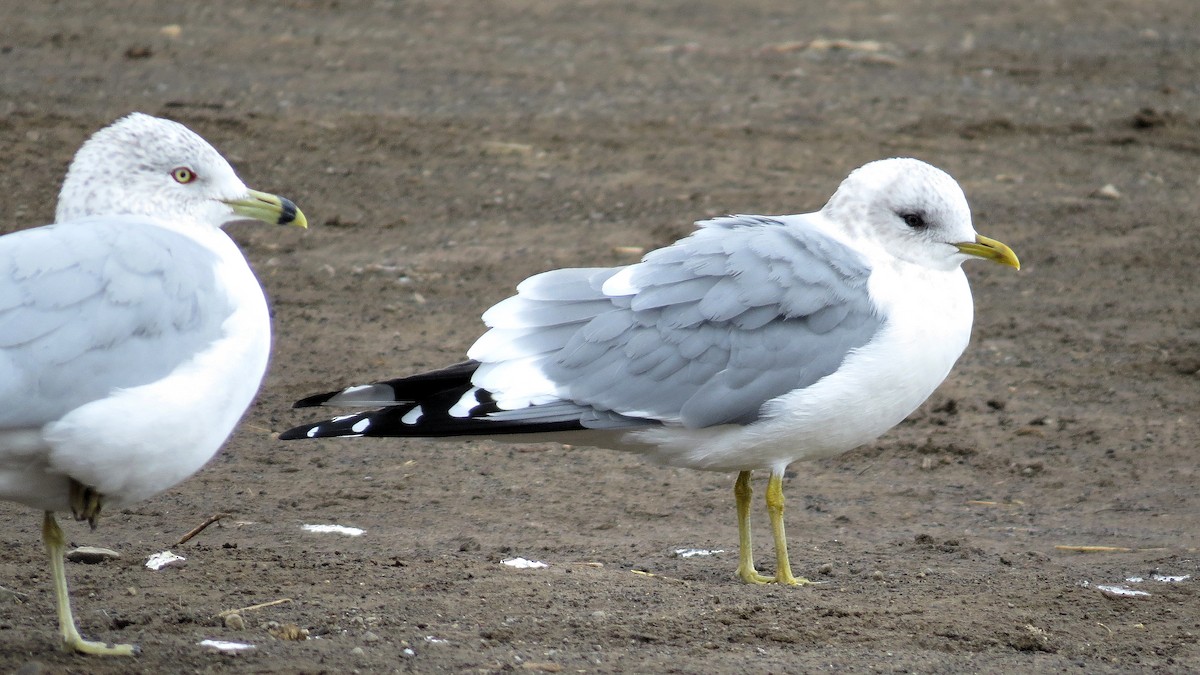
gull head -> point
(915, 211)
(147, 166)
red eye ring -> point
(183, 175)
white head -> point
(915, 211)
(143, 165)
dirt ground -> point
(444, 151)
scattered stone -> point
(92, 555)
(235, 622)
(289, 631)
(502, 148)
(1109, 191)
(1149, 118)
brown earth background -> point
(446, 150)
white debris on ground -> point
(225, 646)
(333, 529)
(523, 564)
(696, 552)
(163, 559)
(1168, 579)
(1118, 591)
(1124, 591)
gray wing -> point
(700, 333)
(97, 304)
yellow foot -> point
(789, 580)
(751, 576)
(78, 644)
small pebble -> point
(91, 555)
(290, 631)
(1109, 191)
(235, 622)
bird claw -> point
(86, 503)
(79, 645)
(752, 576)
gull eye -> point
(183, 175)
(913, 220)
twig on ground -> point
(200, 528)
(251, 608)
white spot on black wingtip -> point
(312, 433)
(413, 416)
(361, 425)
(465, 403)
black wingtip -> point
(315, 400)
(296, 433)
(332, 428)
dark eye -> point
(182, 174)
(913, 220)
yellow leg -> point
(56, 544)
(743, 492)
(783, 565)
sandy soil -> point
(445, 151)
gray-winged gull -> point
(755, 342)
(133, 335)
